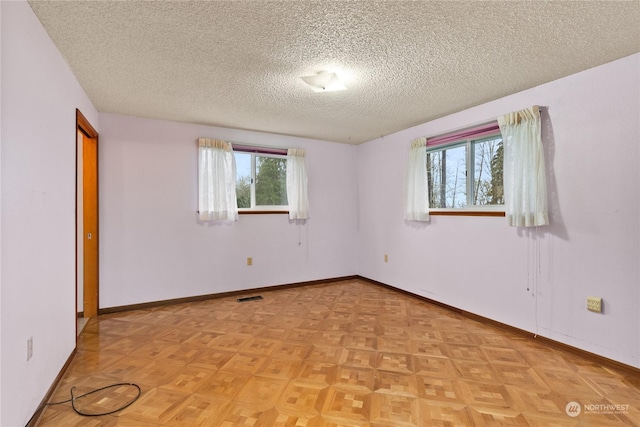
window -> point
(465, 170)
(261, 178)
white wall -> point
(153, 248)
(39, 99)
(592, 247)
(0, 215)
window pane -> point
(271, 181)
(243, 179)
(447, 171)
(487, 174)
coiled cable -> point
(85, 414)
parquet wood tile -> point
(543, 402)
(395, 383)
(222, 326)
(466, 352)
(356, 358)
(292, 350)
(394, 345)
(444, 390)
(331, 338)
(482, 395)
(337, 326)
(238, 414)
(150, 349)
(212, 359)
(188, 380)
(280, 368)
(445, 415)
(392, 331)
(434, 367)
(335, 355)
(503, 355)
(244, 364)
(127, 367)
(153, 373)
(348, 407)
(197, 323)
(506, 417)
(276, 333)
(94, 361)
(540, 357)
(280, 417)
(363, 327)
(520, 376)
(483, 372)
(425, 333)
(223, 385)
(124, 345)
(197, 410)
(389, 410)
(261, 391)
(179, 354)
(286, 322)
(302, 398)
(323, 353)
(317, 372)
(396, 362)
(426, 348)
(155, 406)
(356, 378)
(568, 382)
(359, 341)
(260, 346)
(230, 342)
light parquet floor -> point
(343, 354)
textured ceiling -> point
(238, 64)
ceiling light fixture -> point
(324, 81)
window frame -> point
(469, 143)
(256, 151)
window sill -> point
(462, 212)
(263, 212)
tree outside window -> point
(466, 173)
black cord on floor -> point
(84, 414)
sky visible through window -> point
(243, 164)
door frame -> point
(84, 126)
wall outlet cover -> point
(594, 304)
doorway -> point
(87, 237)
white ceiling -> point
(238, 64)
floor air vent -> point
(254, 298)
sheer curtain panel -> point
(417, 183)
(216, 181)
(525, 189)
(297, 184)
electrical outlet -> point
(29, 348)
(249, 261)
(386, 258)
(594, 304)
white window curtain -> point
(216, 181)
(417, 183)
(525, 190)
(297, 184)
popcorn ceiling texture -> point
(238, 64)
